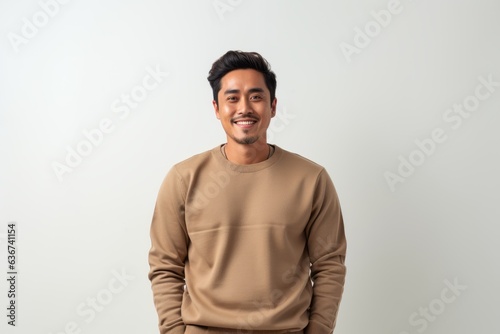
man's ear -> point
(216, 109)
(273, 107)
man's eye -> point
(231, 98)
(256, 97)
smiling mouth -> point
(245, 123)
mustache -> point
(244, 117)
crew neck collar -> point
(216, 151)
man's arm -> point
(327, 250)
(169, 243)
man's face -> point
(245, 109)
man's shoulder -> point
(300, 161)
(194, 161)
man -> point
(240, 232)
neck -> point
(246, 154)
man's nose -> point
(245, 107)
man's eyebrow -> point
(251, 90)
(256, 90)
(231, 91)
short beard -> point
(246, 140)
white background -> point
(356, 115)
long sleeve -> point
(168, 253)
(327, 249)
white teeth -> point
(245, 122)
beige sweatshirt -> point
(235, 247)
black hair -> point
(234, 60)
